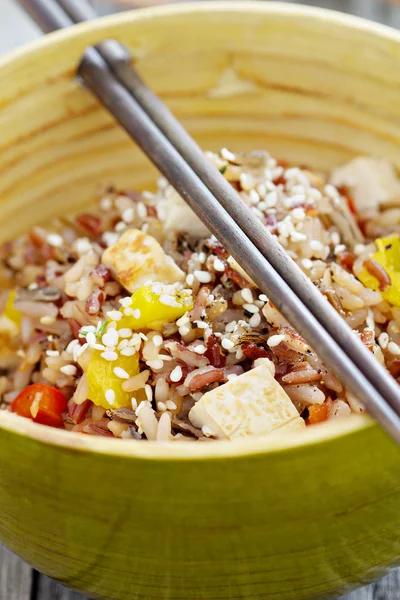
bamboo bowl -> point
(310, 515)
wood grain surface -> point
(17, 580)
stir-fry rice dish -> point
(133, 321)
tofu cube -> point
(137, 258)
(252, 404)
(178, 216)
(372, 182)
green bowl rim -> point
(189, 450)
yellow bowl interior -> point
(311, 86)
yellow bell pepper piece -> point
(155, 308)
(10, 312)
(101, 378)
(388, 256)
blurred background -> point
(16, 28)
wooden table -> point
(17, 580)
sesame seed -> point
(115, 315)
(165, 357)
(247, 295)
(339, 248)
(176, 374)
(52, 353)
(263, 298)
(47, 320)
(143, 336)
(149, 392)
(134, 403)
(99, 347)
(316, 245)
(128, 351)
(55, 240)
(359, 249)
(91, 338)
(109, 355)
(184, 330)
(33, 286)
(141, 210)
(201, 324)
(126, 301)
(251, 308)
(136, 313)
(121, 373)
(230, 326)
(383, 340)
(296, 236)
(110, 396)
(157, 340)
(106, 203)
(82, 246)
(298, 214)
(307, 263)
(228, 155)
(275, 340)
(157, 289)
(120, 226)
(199, 349)
(394, 348)
(255, 320)
(170, 404)
(128, 215)
(219, 265)
(161, 406)
(72, 345)
(68, 370)
(254, 197)
(110, 238)
(168, 300)
(227, 344)
(110, 338)
(203, 276)
(190, 279)
(80, 350)
(155, 364)
(125, 332)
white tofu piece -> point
(372, 182)
(137, 258)
(178, 216)
(253, 404)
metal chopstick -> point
(98, 76)
(119, 60)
